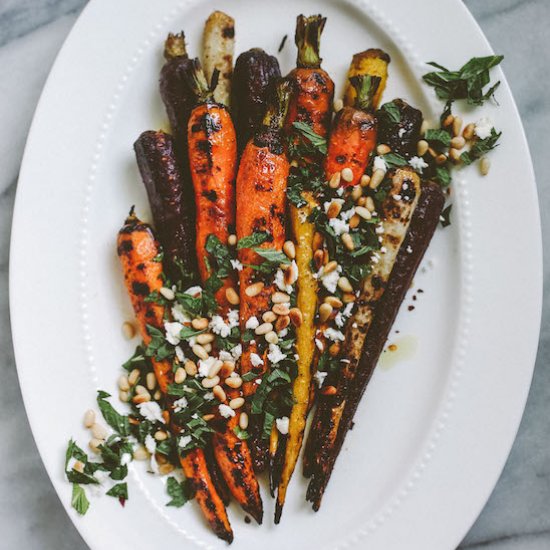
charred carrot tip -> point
(174, 46)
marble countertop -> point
(31, 33)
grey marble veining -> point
(31, 31)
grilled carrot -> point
(138, 250)
(311, 101)
(213, 160)
(261, 202)
(353, 136)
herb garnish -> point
(318, 142)
(79, 501)
(180, 493)
(481, 147)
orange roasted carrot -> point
(138, 249)
(311, 101)
(353, 135)
(212, 144)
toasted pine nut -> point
(160, 435)
(123, 383)
(354, 221)
(484, 166)
(227, 369)
(141, 453)
(290, 276)
(210, 382)
(269, 317)
(141, 390)
(347, 174)
(458, 142)
(168, 293)
(166, 469)
(361, 201)
(296, 316)
(280, 298)
(128, 330)
(370, 204)
(207, 348)
(457, 126)
(157, 395)
(344, 285)
(200, 323)
(468, 132)
(281, 309)
(334, 181)
(205, 338)
(334, 301)
(263, 329)
(282, 322)
(208, 417)
(219, 394)
(441, 159)
(329, 390)
(243, 421)
(289, 249)
(236, 403)
(325, 311)
(190, 367)
(94, 444)
(338, 105)
(363, 212)
(234, 382)
(422, 147)
(383, 149)
(377, 178)
(89, 418)
(348, 241)
(133, 377)
(180, 375)
(271, 337)
(454, 155)
(123, 396)
(317, 240)
(318, 257)
(432, 152)
(200, 352)
(330, 267)
(254, 289)
(215, 368)
(334, 349)
(334, 209)
(150, 381)
(356, 193)
(78, 466)
(348, 297)
(232, 296)
(141, 398)
(448, 121)
(365, 180)
(232, 240)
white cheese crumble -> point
(237, 351)
(252, 323)
(205, 365)
(125, 459)
(282, 424)
(225, 356)
(173, 332)
(319, 344)
(339, 226)
(280, 282)
(179, 354)
(184, 441)
(418, 164)
(348, 309)
(179, 314)
(275, 354)
(319, 377)
(150, 443)
(208, 396)
(256, 360)
(180, 404)
(483, 128)
(339, 320)
(330, 280)
(380, 164)
(151, 411)
(233, 318)
(283, 333)
(237, 265)
(219, 326)
(379, 229)
(333, 334)
(401, 132)
(193, 290)
(409, 249)
(226, 411)
(347, 214)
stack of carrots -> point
(210, 182)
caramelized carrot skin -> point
(312, 99)
(213, 160)
(352, 140)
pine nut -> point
(168, 293)
(347, 175)
(89, 418)
(280, 298)
(334, 209)
(123, 396)
(356, 193)
(254, 289)
(200, 352)
(151, 381)
(422, 147)
(99, 431)
(363, 212)
(79, 466)
(207, 348)
(157, 397)
(348, 241)
(243, 421)
(215, 369)
(468, 132)
(180, 375)
(348, 297)
(344, 285)
(227, 369)
(365, 180)
(454, 155)
(448, 121)
(205, 338)
(338, 105)
(161, 459)
(377, 178)
(219, 394)
(370, 204)
(236, 403)
(458, 142)
(325, 311)
(271, 337)
(263, 329)
(441, 159)
(200, 323)
(141, 390)
(232, 240)
(290, 275)
(334, 301)
(330, 267)
(94, 445)
(318, 240)
(123, 383)
(128, 330)
(289, 249)
(294, 163)
(210, 382)
(354, 221)
(334, 181)
(160, 435)
(141, 453)
(190, 367)
(484, 166)
(424, 127)
(133, 377)
(457, 126)
(329, 390)
(166, 469)
(361, 201)
(141, 398)
(282, 322)
(432, 152)
(269, 317)
(383, 149)
(208, 417)
(296, 316)
(318, 257)
(334, 349)
(234, 382)
(281, 309)
(232, 296)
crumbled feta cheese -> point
(330, 281)
(347, 214)
(380, 164)
(173, 332)
(208, 396)
(256, 360)
(219, 326)
(205, 365)
(237, 265)
(339, 320)
(333, 334)
(258, 381)
(180, 404)
(283, 333)
(225, 356)
(193, 290)
(379, 229)
(102, 476)
(319, 377)
(184, 441)
(179, 314)
(275, 354)
(237, 351)
(339, 226)
(150, 410)
(401, 132)
(233, 318)
(340, 191)
(418, 164)
(226, 411)
(319, 344)
(409, 249)
(483, 128)
(383, 249)
(150, 443)
(154, 465)
(280, 282)
(282, 424)
(179, 354)
(252, 323)
(396, 197)
(125, 459)
(348, 309)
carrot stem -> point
(174, 46)
(308, 38)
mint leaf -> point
(319, 142)
(79, 501)
(257, 238)
(178, 492)
(117, 421)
